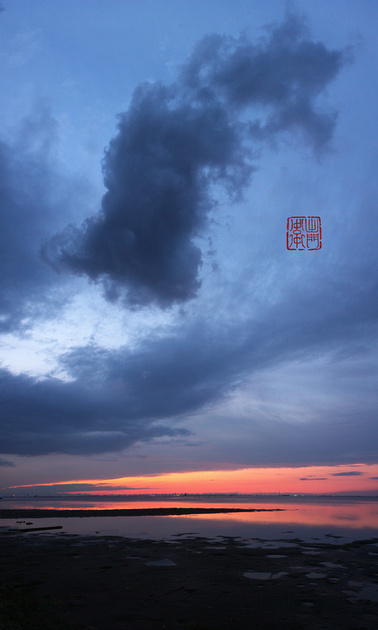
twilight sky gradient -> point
(156, 335)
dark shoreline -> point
(46, 513)
(89, 583)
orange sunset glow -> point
(355, 479)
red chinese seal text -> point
(304, 233)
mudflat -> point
(82, 513)
(60, 581)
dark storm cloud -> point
(175, 142)
(353, 473)
(51, 416)
(157, 198)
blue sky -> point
(152, 319)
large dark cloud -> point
(175, 142)
(157, 198)
(50, 416)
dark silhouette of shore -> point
(59, 581)
(169, 511)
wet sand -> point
(61, 581)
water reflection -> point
(353, 516)
(305, 518)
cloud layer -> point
(175, 147)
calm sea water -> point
(307, 518)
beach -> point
(62, 581)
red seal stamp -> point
(304, 233)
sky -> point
(156, 333)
